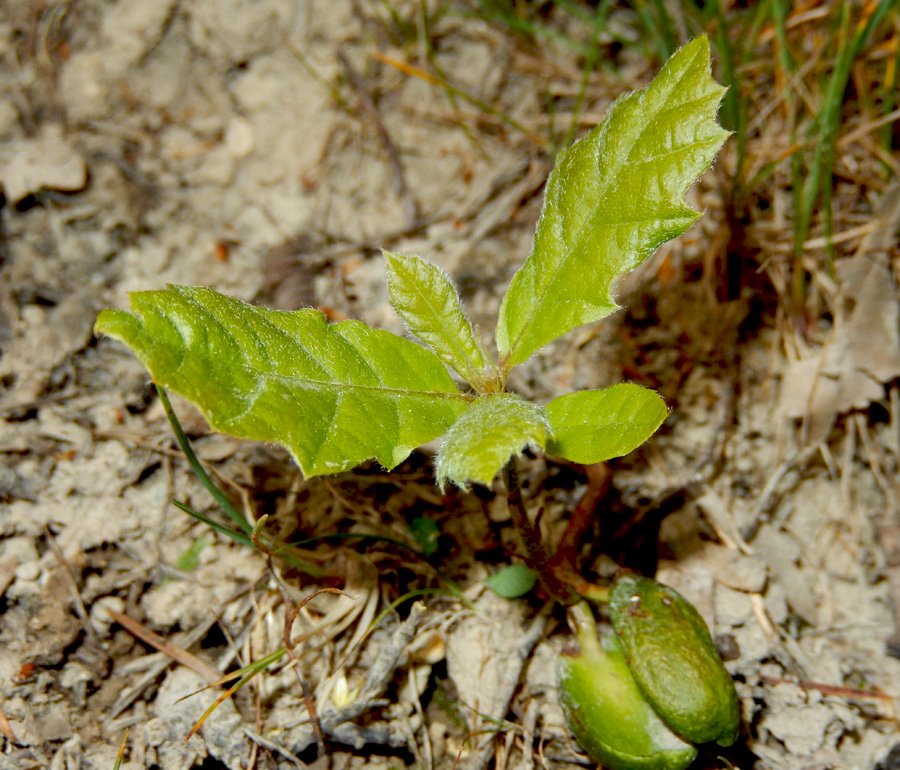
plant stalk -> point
(536, 556)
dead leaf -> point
(862, 354)
(485, 656)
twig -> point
(333, 720)
(536, 555)
(768, 497)
(290, 615)
(160, 664)
(828, 689)
(176, 653)
(6, 728)
(272, 746)
(76, 593)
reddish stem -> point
(536, 556)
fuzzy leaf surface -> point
(492, 430)
(591, 426)
(423, 296)
(612, 199)
(334, 395)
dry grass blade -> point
(489, 109)
(6, 728)
(121, 754)
(176, 653)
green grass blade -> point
(238, 537)
(819, 180)
(199, 471)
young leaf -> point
(491, 431)
(423, 296)
(612, 198)
(596, 425)
(426, 533)
(333, 395)
(512, 582)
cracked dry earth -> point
(268, 149)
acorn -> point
(671, 655)
(606, 709)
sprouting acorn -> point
(671, 655)
(606, 709)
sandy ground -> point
(269, 150)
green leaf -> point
(426, 532)
(334, 395)
(611, 200)
(512, 582)
(190, 558)
(596, 425)
(423, 296)
(492, 430)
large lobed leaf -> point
(423, 296)
(612, 198)
(334, 395)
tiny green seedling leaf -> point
(612, 199)
(334, 395)
(423, 296)
(593, 426)
(490, 432)
(512, 582)
(426, 533)
(190, 558)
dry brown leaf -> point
(862, 354)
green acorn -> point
(606, 710)
(671, 655)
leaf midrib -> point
(342, 386)
(461, 352)
(258, 373)
(606, 185)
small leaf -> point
(596, 425)
(512, 582)
(423, 296)
(190, 558)
(332, 394)
(491, 430)
(613, 197)
(426, 533)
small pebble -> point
(101, 620)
